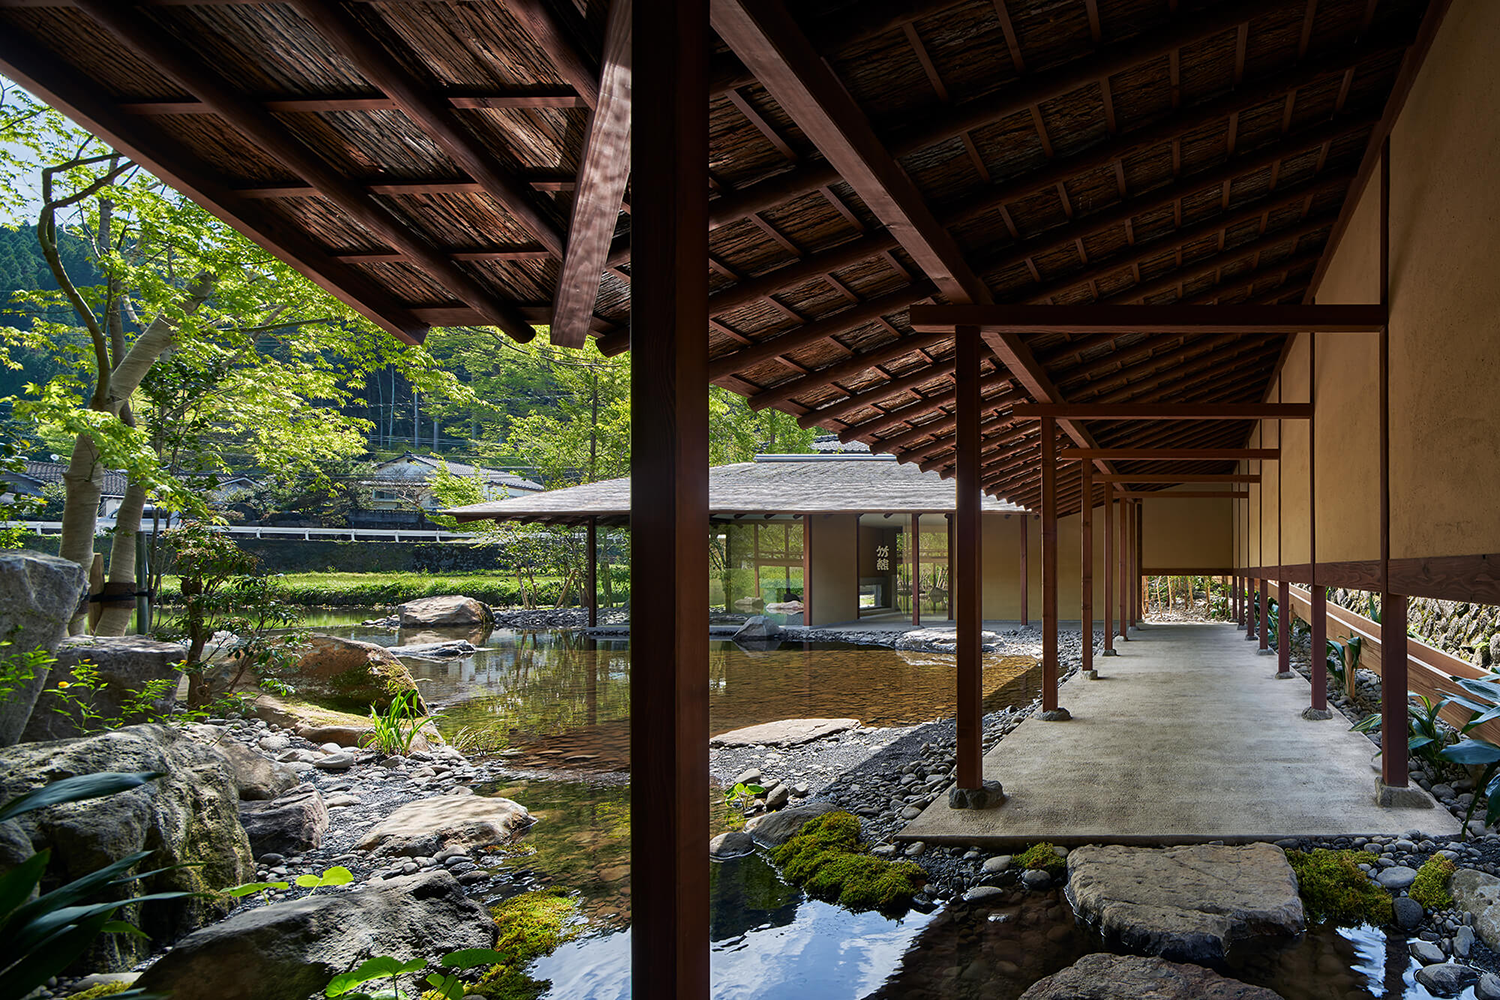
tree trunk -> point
(115, 618)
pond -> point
(561, 702)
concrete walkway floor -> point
(1186, 737)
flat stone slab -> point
(786, 733)
(1478, 893)
(1185, 903)
(1131, 977)
(425, 826)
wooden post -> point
(1284, 628)
(1140, 553)
(1049, 568)
(1025, 573)
(1319, 648)
(1263, 632)
(669, 782)
(807, 529)
(591, 577)
(1318, 610)
(1087, 528)
(950, 567)
(965, 592)
(916, 570)
(1123, 569)
(1109, 569)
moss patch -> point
(101, 990)
(531, 925)
(1333, 887)
(1431, 885)
(1041, 857)
(827, 860)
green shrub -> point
(1334, 888)
(1041, 857)
(372, 589)
(1431, 885)
(827, 860)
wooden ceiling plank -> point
(1163, 411)
(603, 174)
(1129, 319)
(555, 38)
(1172, 454)
(782, 391)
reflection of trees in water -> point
(546, 684)
(745, 894)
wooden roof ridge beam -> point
(884, 354)
(1103, 318)
(262, 129)
(603, 174)
(1172, 454)
(431, 114)
(61, 86)
(1163, 411)
(822, 328)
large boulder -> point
(187, 818)
(293, 823)
(125, 668)
(426, 826)
(775, 829)
(258, 777)
(1185, 903)
(350, 674)
(292, 949)
(320, 725)
(1102, 976)
(38, 596)
(1477, 893)
(453, 611)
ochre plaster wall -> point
(1186, 534)
(835, 569)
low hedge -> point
(376, 589)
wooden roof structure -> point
(464, 162)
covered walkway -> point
(1187, 737)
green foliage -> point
(79, 695)
(827, 860)
(1041, 857)
(46, 934)
(1334, 888)
(19, 667)
(337, 875)
(396, 727)
(100, 990)
(1426, 735)
(1431, 885)
(375, 589)
(475, 740)
(531, 925)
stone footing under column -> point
(988, 796)
(1268, 651)
(1056, 715)
(1316, 714)
(1284, 675)
(1092, 675)
(1111, 652)
(1407, 796)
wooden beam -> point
(840, 370)
(884, 390)
(1162, 319)
(603, 173)
(431, 114)
(512, 97)
(1185, 495)
(62, 86)
(262, 129)
(1171, 454)
(1164, 411)
(1217, 477)
(556, 38)
(669, 711)
(926, 405)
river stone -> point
(187, 818)
(786, 733)
(444, 650)
(259, 778)
(758, 628)
(1426, 952)
(1409, 912)
(1488, 987)
(351, 674)
(453, 611)
(775, 829)
(1447, 979)
(1102, 976)
(38, 596)
(730, 844)
(293, 948)
(1189, 903)
(1396, 877)
(1477, 892)
(293, 823)
(426, 826)
(125, 665)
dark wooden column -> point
(1132, 563)
(669, 504)
(951, 612)
(1087, 529)
(1319, 603)
(1109, 569)
(916, 570)
(1049, 568)
(1263, 631)
(1284, 628)
(807, 533)
(966, 568)
(1123, 569)
(1140, 553)
(1025, 573)
(592, 575)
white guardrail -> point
(306, 534)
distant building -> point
(402, 484)
(37, 476)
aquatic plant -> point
(396, 727)
(1431, 885)
(827, 860)
(100, 990)
(1041, 857)
(1333, 887)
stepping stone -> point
(786, 733)
(1396, 877)
(1185, 903)
(1130, 977)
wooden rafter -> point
(1127, 319)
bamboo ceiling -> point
(448, 163)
